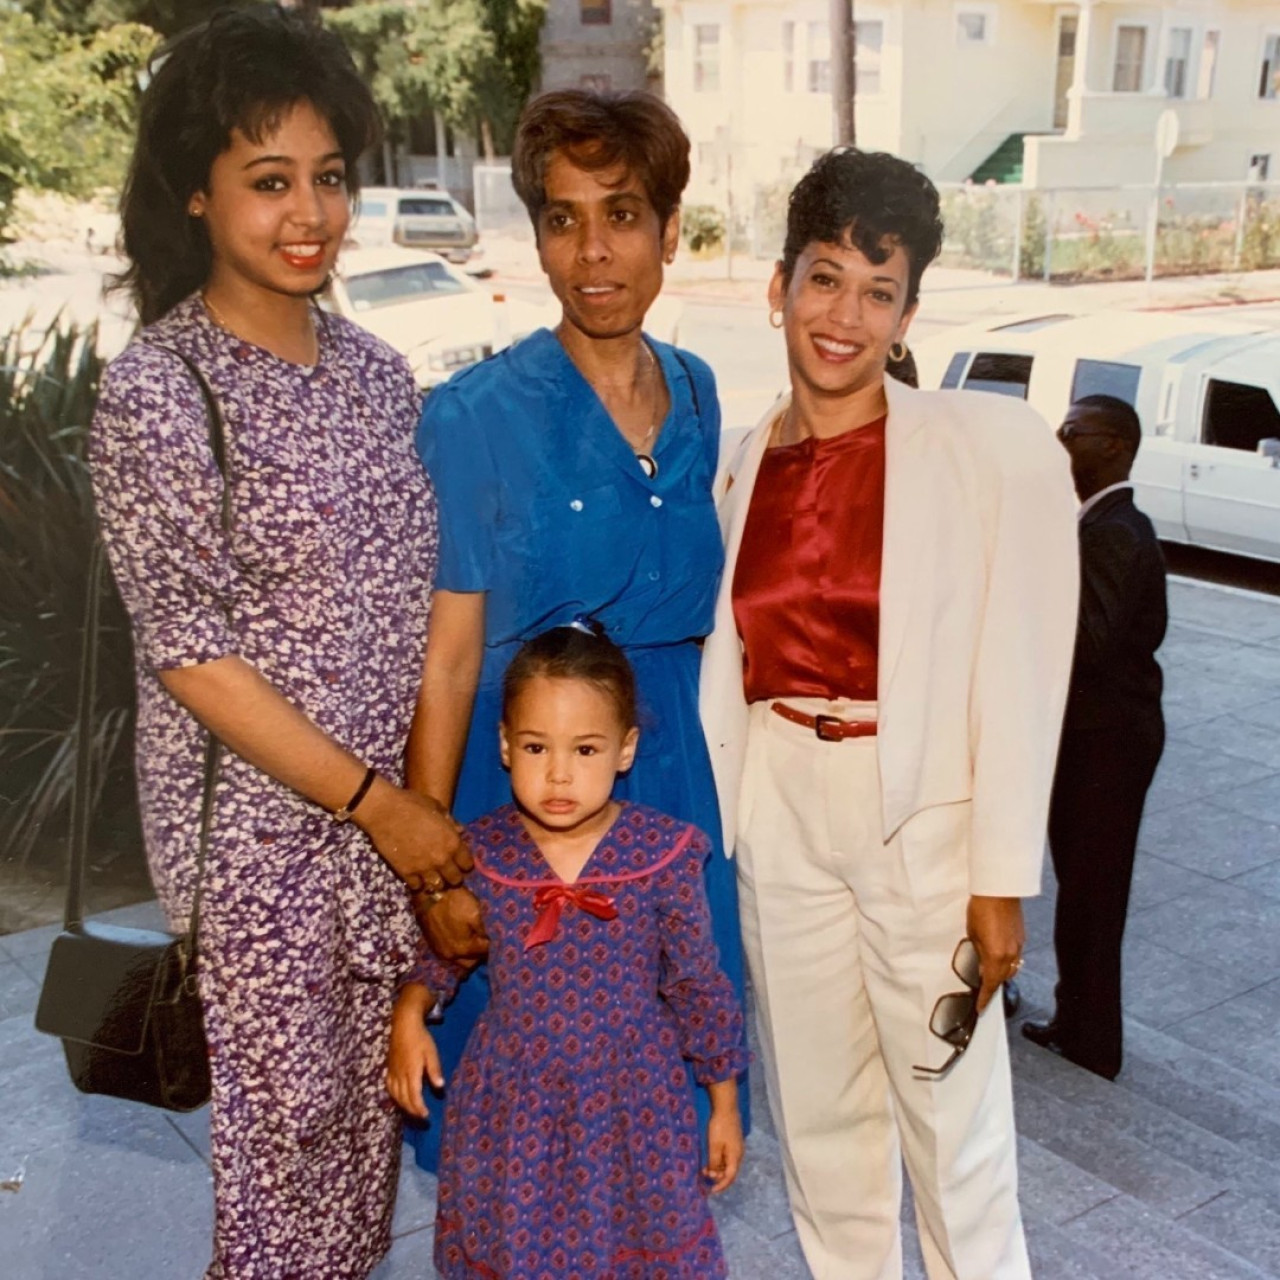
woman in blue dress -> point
(574, 474)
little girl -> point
(570, 1149)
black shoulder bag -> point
(126, 1002)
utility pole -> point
(843, 87)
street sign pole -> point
(1166, 143)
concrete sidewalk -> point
(1171, 1173)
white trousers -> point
(849, 943)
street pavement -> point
(1170, 1173)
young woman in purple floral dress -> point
(570, 1148)
(296, 638)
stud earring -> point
(776, 317)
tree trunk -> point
(486, 140)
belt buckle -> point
(827, 728)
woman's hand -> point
(454, 927)
(724, 1137)
(420, 841)
(412, 1053)
(995, 928)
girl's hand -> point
(724, 1137)
(412, 1053)
(420, 841)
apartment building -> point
(599, 44)
(1049, 93)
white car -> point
(1207, 392)
(418, 218)
(437, 316)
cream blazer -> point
(978, 597)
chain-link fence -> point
(1112, 233)
(1069, 233)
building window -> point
(706, 58)
(1208, 64)
(819, 80)
(1177, 61)
(595, 83)
(788, 57)
(1269, 84)
(596, 12)
(1259, 167)
(868, 42)
(973, 26)
(1131, 52)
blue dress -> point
(544, 507)
(571, 1149)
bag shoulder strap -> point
(81, 795)
(693, 382)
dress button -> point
(576, 504)
(655, 501)
(654, 575)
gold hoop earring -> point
(776, 317)
(898, 352)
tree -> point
(84, 17)
(473, 61)
(67, 105)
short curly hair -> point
(598, 131)
(874, 200)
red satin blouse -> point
(806, 592)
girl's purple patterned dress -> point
(570, 1149)
(323, 586)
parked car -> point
(1206, 389)
(439, 317)
(418, 219)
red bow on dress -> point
(550, 902)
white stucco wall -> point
(947, 105)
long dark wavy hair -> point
(243, 69)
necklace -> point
(221, 321)
(648, 463)
(215, 315)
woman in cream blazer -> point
(883, 747)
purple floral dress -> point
(570, 1148)
(323, 585)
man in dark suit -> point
(1112, 734)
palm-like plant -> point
(48, 385)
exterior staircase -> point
(1004, 164)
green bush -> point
(703, 227)
(1035, 232)
(978, 227)
(1260, 244)
(48, 385)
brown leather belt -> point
(827, 728)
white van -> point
(424, 218)
(1207, 392)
